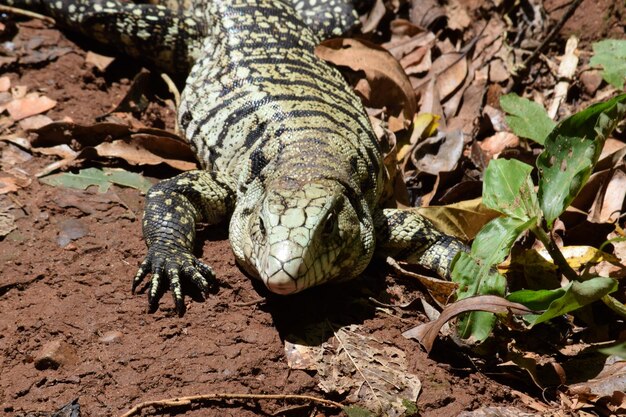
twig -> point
(171, 85)
(250, 303)
(27, 13)
(181, 401)
(523, 68)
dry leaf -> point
(612, 378)
(430, 102)
(458, 17)
(13, 155)
(450, 71)
(471, 105)
(608, 204)
(448, 148)
(497, 412)
(5, 84)
(385, 84)
(7, 222)
(99, 61)
(495, 144)
(463, 220)
(426, 333)
(375, 373)
(439, 289)
(144, 150)
(374, 17)
(425, 12)
(35, 122)
(7, 184)
(31, 105)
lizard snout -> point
(282, 267)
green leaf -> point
(617, 350)
(571, 297)
(526, 118)
(611, 55)
(473, 280)
(508, 188)
(571, 151)
(493, 243)
(536, 300)
(475, 274)
(103, 178)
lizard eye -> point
(330, 224)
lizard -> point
(288, 155)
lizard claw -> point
(171, 264)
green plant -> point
(571, 151)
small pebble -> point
(111, 337)
(55, 354)
(591, 81)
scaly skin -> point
(286, 146)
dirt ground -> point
(116, 354)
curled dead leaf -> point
(385, 84)
(426, 333)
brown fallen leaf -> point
(450, 71)
(463, 219)
(438, 154)
(7, 184)
(7, 225)
(137, 146)
(607, 206)
(13, 155)
(35, 122)
(495, 144)
(406, 38)
(439, 289)
(418, 61)
(385, 84)
(374, 17)
(426, 12)
(5, 84)
(612, 378)
(458, 17)
(99, 61)
(143, 150)
(29, 105)
(471, 104)
(426, 333)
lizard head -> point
(303, 236)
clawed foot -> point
(167, 263)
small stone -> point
(591, 81)
(111, 337)
(54, 354)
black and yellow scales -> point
(287, 149)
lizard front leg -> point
(173, 207)
(407, 236)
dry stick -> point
(180, 401)
(27, 13)
(523, 68)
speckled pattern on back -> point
(286, 146)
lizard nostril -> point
(262, 226)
